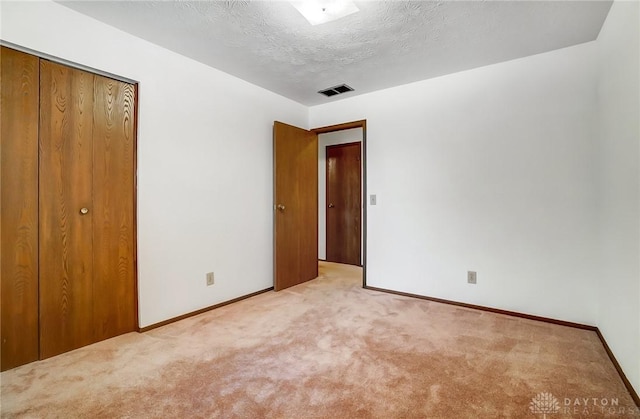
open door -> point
(295, 192)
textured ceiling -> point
(386, 44)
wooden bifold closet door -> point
(19, 83)
(86, 208)
(86, 287)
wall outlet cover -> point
(471, 277)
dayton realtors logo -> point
(546, 403)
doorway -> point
(340, 197)
(293, 227)
(341, 135)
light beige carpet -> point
(329, 349)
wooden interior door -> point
(66, 251)
(86, 192)
(68, 208)
(344, 203)
(295, 153)
(114, 283)
(19, 75)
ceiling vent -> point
(336, 90)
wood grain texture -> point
(344, 202)
(19, 76)
(66, 260)
(296, 188)
(341, 127)
(114, 294)
(308, 206)
(68, 142)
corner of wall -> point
(618, 85)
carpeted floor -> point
(329, 349)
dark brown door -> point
(344, 203)
(20, 103)
(295, 153)
(87, 283)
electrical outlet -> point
(209, 278)
(471, 277)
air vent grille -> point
(336, 90)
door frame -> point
(341, 127)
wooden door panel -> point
(19, 78)
(344, 203)
(114, 293)
(68, 142)
(308, 207)
(286, 240)
(65, 186)
(296, 190)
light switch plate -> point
(373, 200)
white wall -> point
(198, 129)
(324, 140)
(619, 194)
(489, 170)
(516, 170)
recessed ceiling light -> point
(323, 11)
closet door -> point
(19, 196)
(114, 283)
(66, 210)
(87, 188)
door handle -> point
(84, 211)
(280, 207)
(331, 205)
